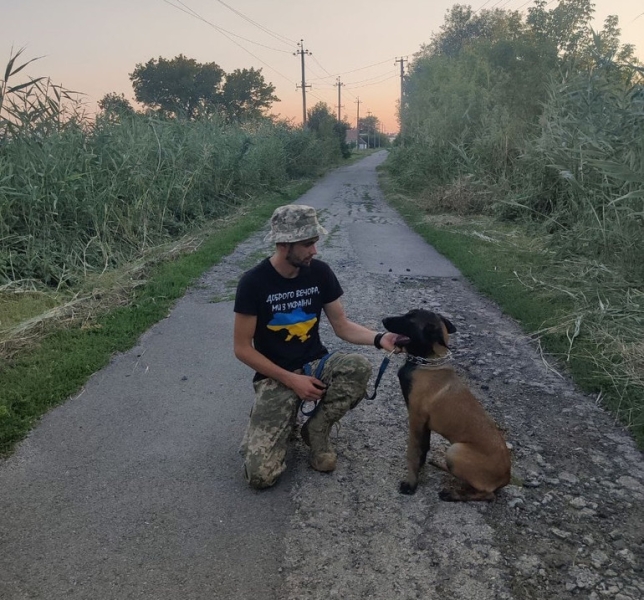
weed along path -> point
(133, 488)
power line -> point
(482, 5)
(495, 4)
(375, 82)
(359, 69)
(196, 15)
(321, 67)
(322, 85)
(360, 84)
(351, 94)
(325, 101)
(191, 12)
(532, 2)
(505, 3)
(369, 78)
(367, 67)
(320, 81)
(277, 36)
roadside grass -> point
(357, 155)
(23, 301)
(585, 318)
(64, 346)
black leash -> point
(318, 374)
(383, 367)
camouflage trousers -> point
(274, 414)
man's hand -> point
(307, 388)
(393, 342)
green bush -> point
(542, 117)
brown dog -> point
(437, 400)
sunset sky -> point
(91, 46)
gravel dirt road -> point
(147, 478)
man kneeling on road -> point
(277, 316)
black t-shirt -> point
(287, 310)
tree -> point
(181, 86)
(320, 119)
(246, 95)
(115, 106)
(463, 26)
(326, 126)
(567, 25)
(609, 42)
(370, 129)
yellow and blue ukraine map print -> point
(297, 323)
(289, 314)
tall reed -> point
(584, 174)
(573, 161)
(79, 196)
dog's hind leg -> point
(464, 464)
(465, 494)
(439, 465)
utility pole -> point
(339, 84)
(358, 125)
(368, 127)
(302, 52)
(402, 60)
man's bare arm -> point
(353, 332)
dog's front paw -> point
(407, 488)
(447, 496)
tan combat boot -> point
(315, 433)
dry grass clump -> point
(53, 310)
(462, 197)
(609, 313)
(507, 237)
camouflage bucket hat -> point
(294, 223)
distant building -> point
(352, 136)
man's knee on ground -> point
(261, 474)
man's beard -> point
(297, 262)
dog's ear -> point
(433, 334)
(448, 324)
